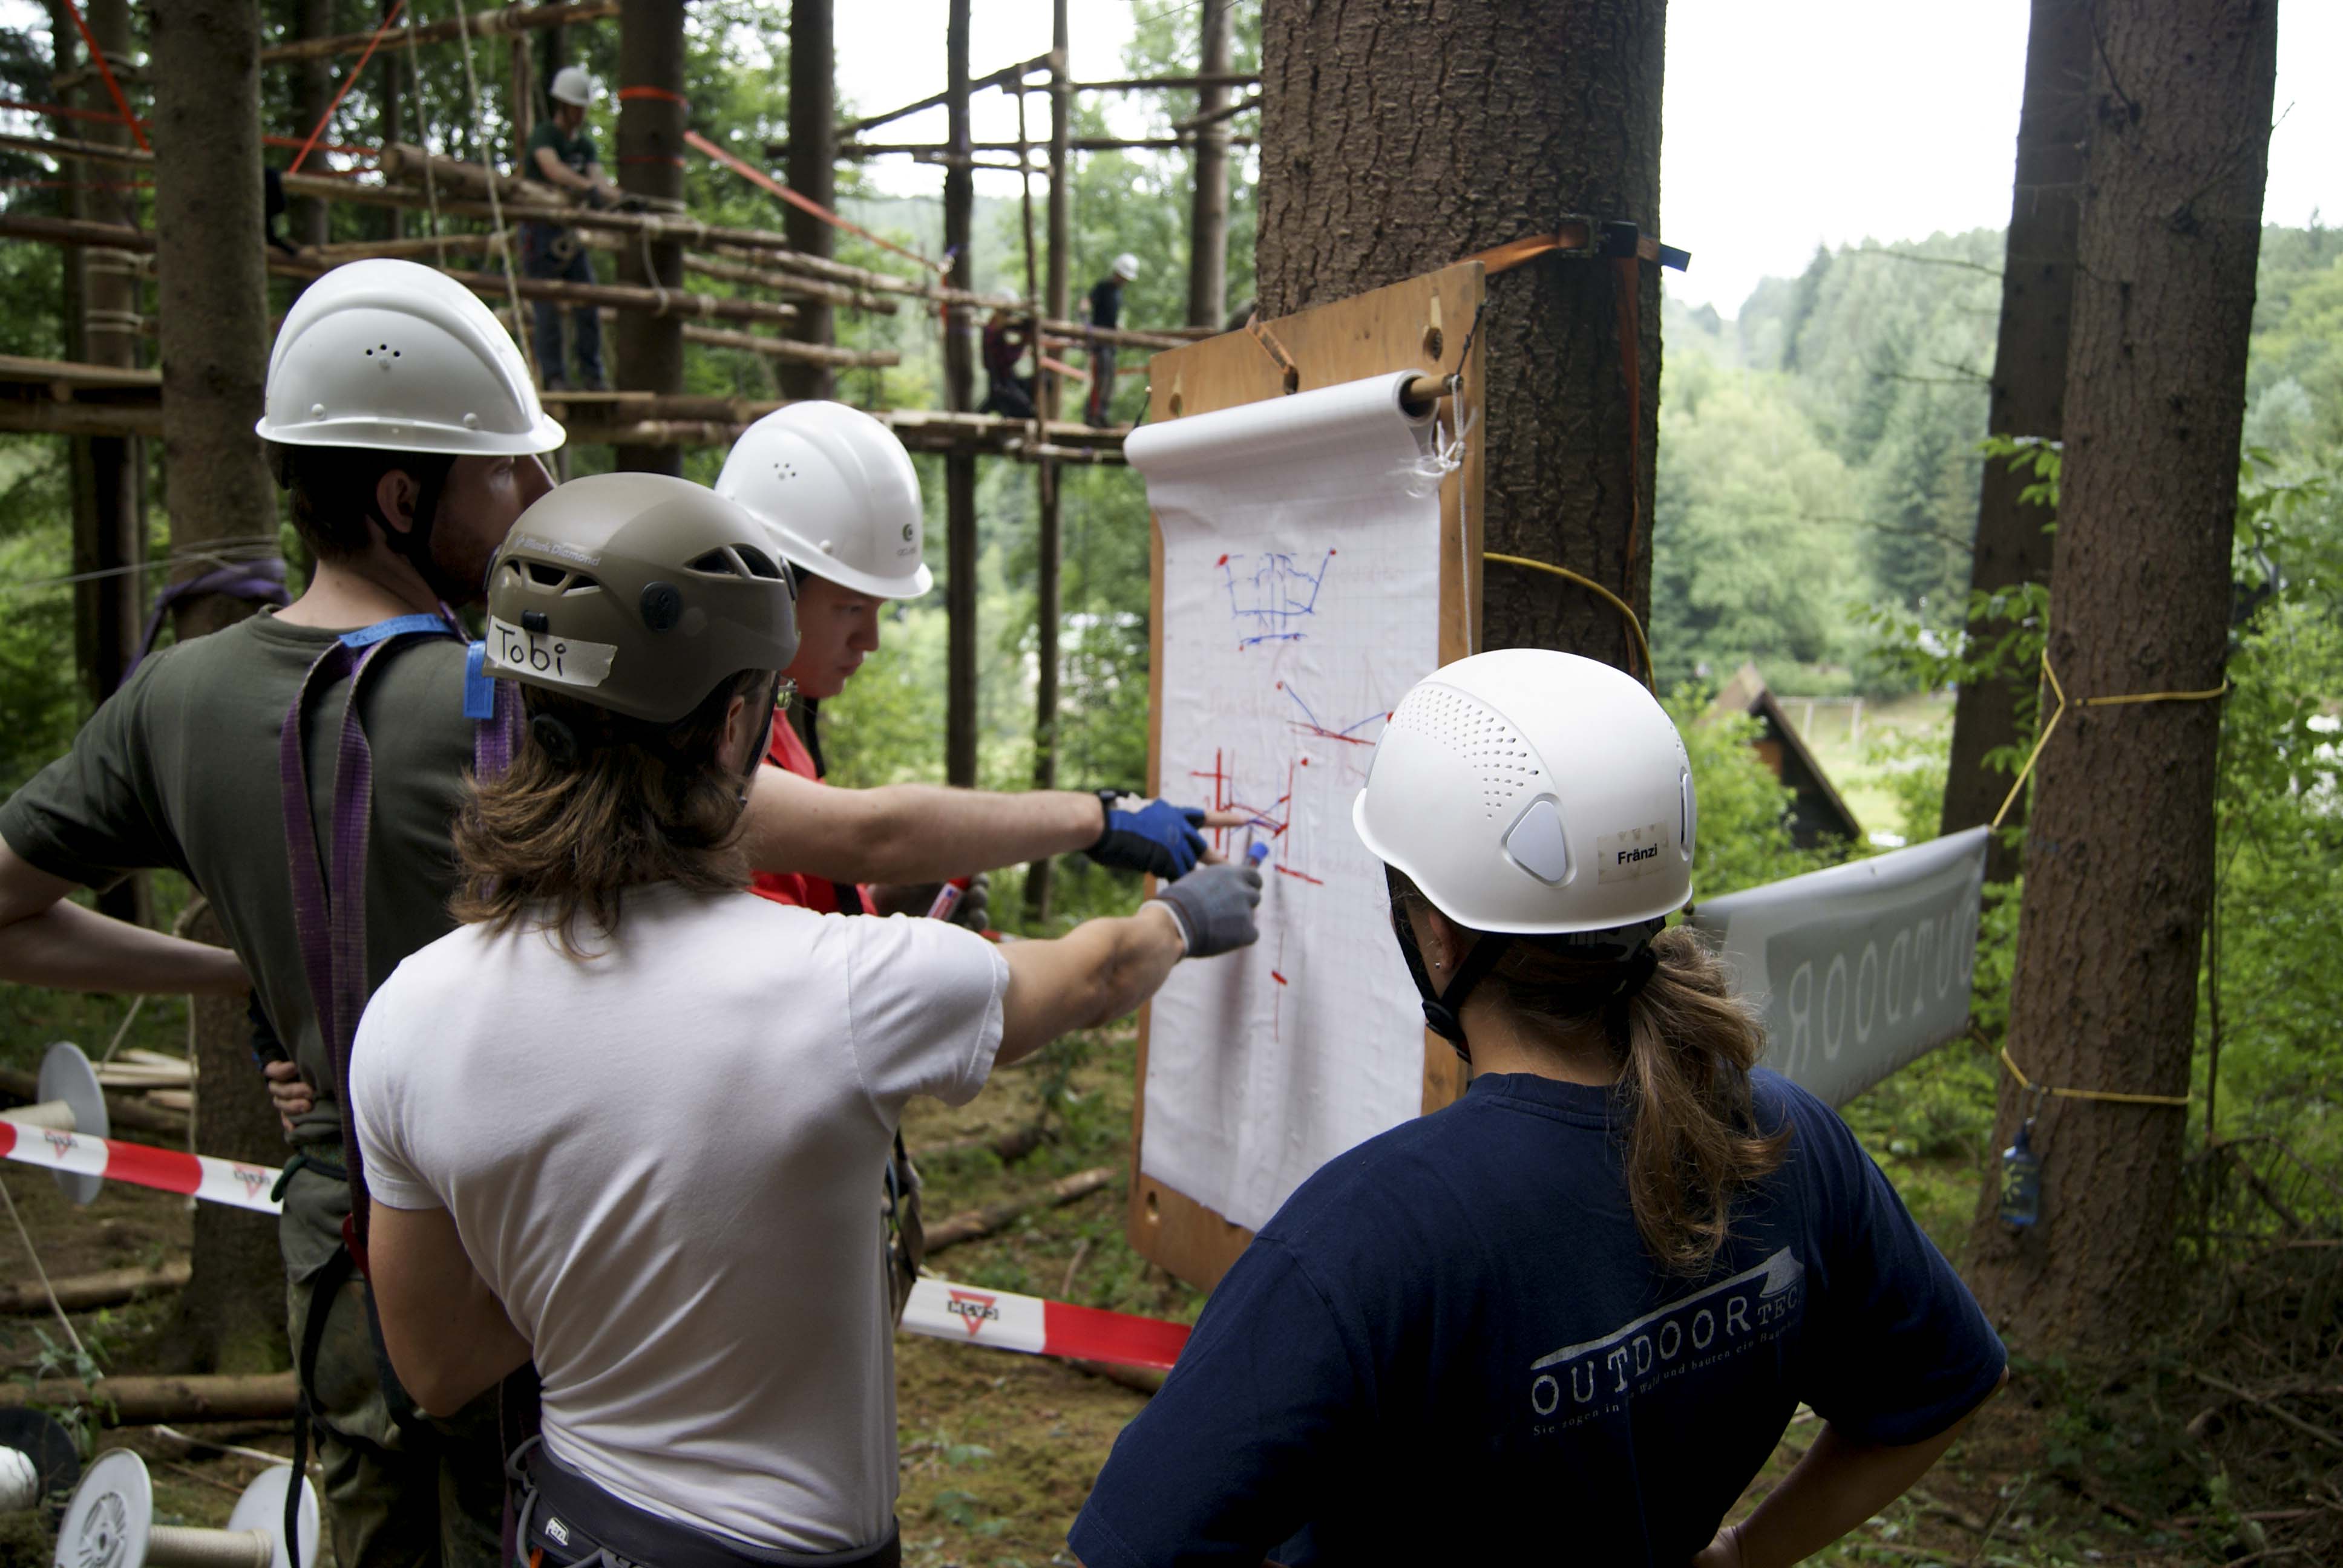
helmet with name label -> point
(1526, 791)
(640, 593)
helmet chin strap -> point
(1443, 1010)
(413, 543)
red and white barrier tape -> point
(197, 1175)
(966, 1316)
(939, 1309)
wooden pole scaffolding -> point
(812, 174)
(390, 91)
(1049, 541)
(1208, 214)
(485, 23)
(959, 467)
(650, 165)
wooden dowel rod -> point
(1422, 392)
(485, 23)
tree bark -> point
(2119, 859)
(1389, 150)
(812, 173)
(1208, 212)
(650, 164)
(1049, 479)
(960, 695)
(307, 219)
(392, 59)
(2029, 387)
(102, 329)
(233, 1314)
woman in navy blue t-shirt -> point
(1567, 1318)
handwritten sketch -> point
(1270, 597)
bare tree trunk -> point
(2119, 860)
(1383, 156)
(102, 329)
(391, 89)
(2029, 387)
(813, 174)
(650, 164)
(307, 219)
(1049, 544)
(1208, 213)
(960, 468)
(212, 313)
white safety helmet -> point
(1126, 267)
(839, 493)
(571, 84)
(396, 357)
(1527, 791)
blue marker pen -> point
(1257, 854)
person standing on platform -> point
(561, 155)
(1006, 393)
(1106, 310)
(1567, 1318)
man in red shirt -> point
(842, 500)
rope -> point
(423, 139)
(349, 82)
(1592, 586)
(766, 182)
(2060, 712)
(98, 58)
(488, 168)
(33, 1252)
(2027, 1085)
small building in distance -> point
(1817, 813)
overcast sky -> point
(1789, 122)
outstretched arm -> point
(46, 941)
(448, 1337)
(926, 833)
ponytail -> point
(1685, 1047)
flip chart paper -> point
(1301, 601)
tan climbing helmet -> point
(640, 593)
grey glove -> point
(1214, 905)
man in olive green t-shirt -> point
(561, 155)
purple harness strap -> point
(261, 581)
(330, 911)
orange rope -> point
(347, 83)
(106, 71)
(764, 181)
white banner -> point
(1861, 968)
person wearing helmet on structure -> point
(1106, 310)
(561, 155)
(592, 1141)
(402, 422)
(1568, 1317)
(840, 500)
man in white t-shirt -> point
(593, 1140)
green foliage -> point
(1743, 839)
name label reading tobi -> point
(567, 659)
(1623, 857)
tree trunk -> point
(1542, 108)
(812, 173)
(307, 219)
(1208, 212)
(392, 64)
(2029, 387)
(1049, 544)
(102, 329)
(2119, 859)
(212, 312)
(960, 468)
(650, 164)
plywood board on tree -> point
(1420, 324)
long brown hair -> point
(595, 803)
(1692, 1142)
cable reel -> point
(110, 1524)
(70, 1101)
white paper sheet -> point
(1301, 601)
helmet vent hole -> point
(1482, 737)
(582, 585)
(759, 563)
(546, 575)
(721, 563)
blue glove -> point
(1159, 838)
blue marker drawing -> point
(1309, 721)
(1273, 597)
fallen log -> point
(1007, 1147)
(87, 1292)
(977, 1223)
(147, 1401)
(125, 1112)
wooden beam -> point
(1049, 548)
(1206, 117)
(1208, 209)
(485, 23)
(1007, 76)
(1143, 83)
(942, 149)
(812, 173)
(65, 375)
(146, 1401)
(960, 692)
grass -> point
(1846, 740)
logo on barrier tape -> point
(253, 1179)
(60, 1143)
(973, 1309)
